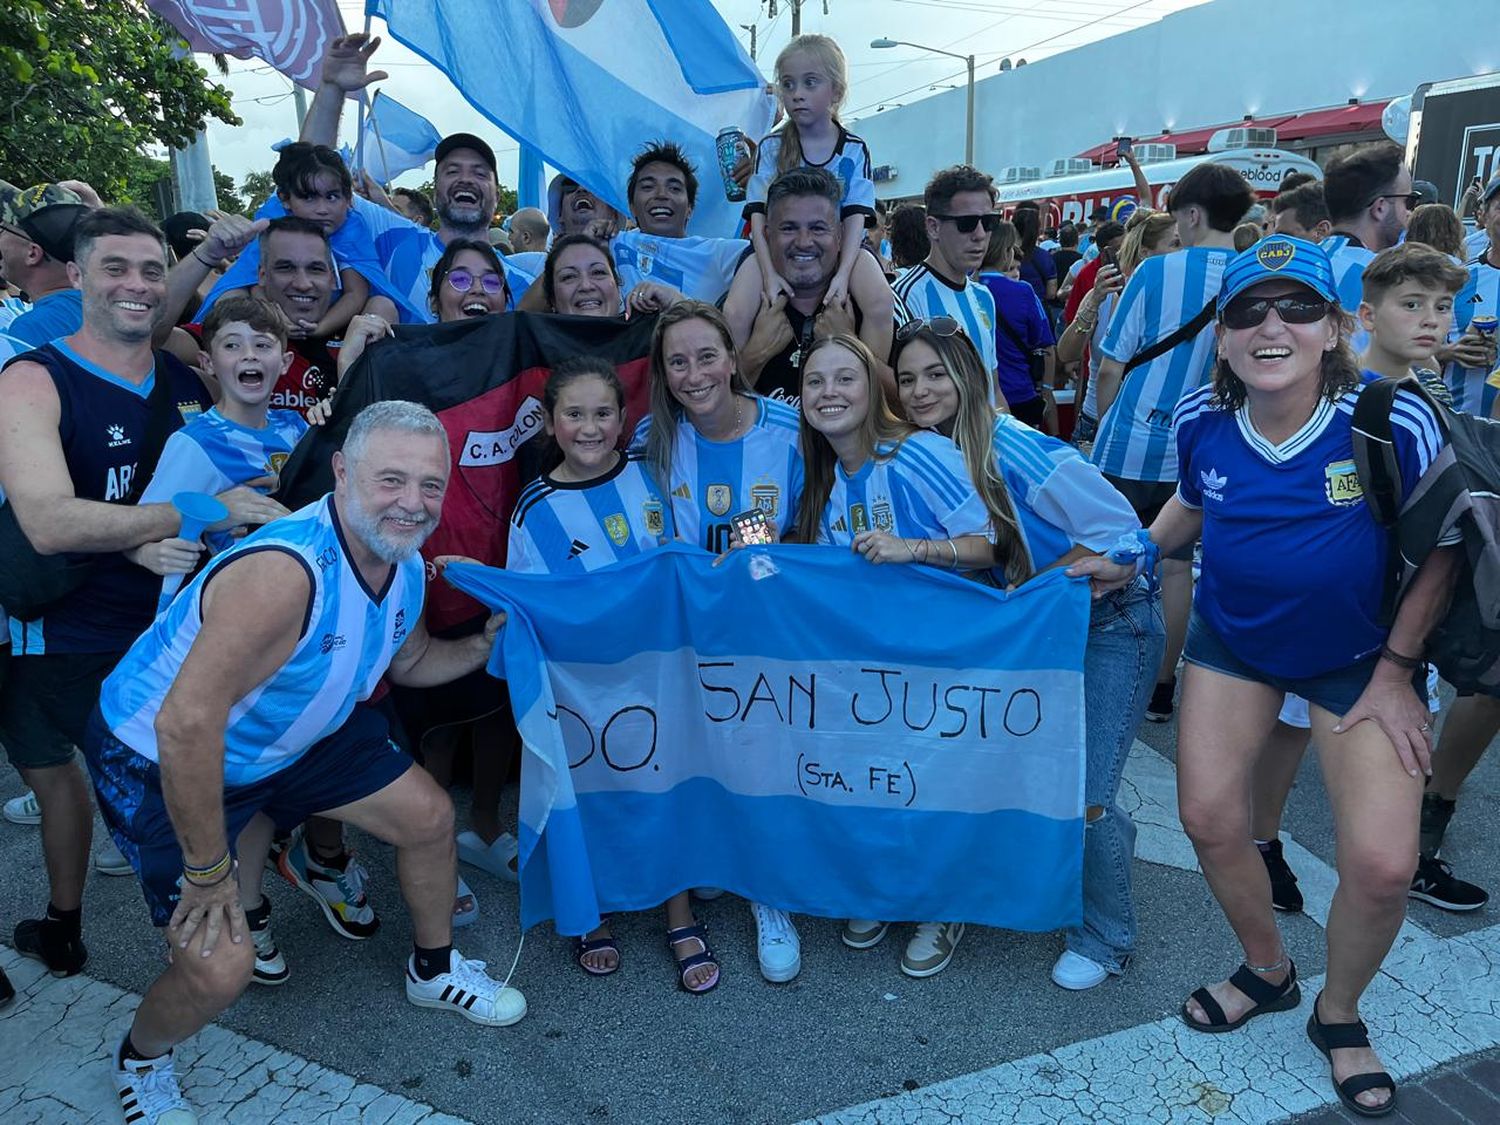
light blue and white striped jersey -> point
(714, 480)
(1166, 291)
(567, 527)
(927, 293)
(1350, 257)
(1476, 243)
(849, 163)
(701, 268)
(1061, 500)
(211, 453)
(919, 488)
(351, 634)
(1480, 296)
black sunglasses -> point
(967, 223)
(1413, 198)
(1295, 308)
(938, 325)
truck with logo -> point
(1455, 133)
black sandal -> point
(1268, 998)
(699, 932)
(596, 945)
(1330, 1037)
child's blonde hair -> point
(827, 56)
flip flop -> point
(496, 859)
(466, 917)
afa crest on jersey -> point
(884, 518)
(1341, 484)
(766, 497)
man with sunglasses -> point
(1369, 197)
(36, 245)
(960, 203)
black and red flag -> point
(483, 378)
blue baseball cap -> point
(1280, 258)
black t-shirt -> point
(1063, 260)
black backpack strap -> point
(161, 423)
(1375, 450)
(1188, 331)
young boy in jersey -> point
(1407, 310)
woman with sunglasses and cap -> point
(1289, 601)
(1047, 507)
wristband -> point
(203, 262)
(218, 867)
(228, 871)
(1410, 663)
(952, 546)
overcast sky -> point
(990, 29)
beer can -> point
(1485, 325)
(730, 146)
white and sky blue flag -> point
(397, 139)
(779, 726)
(587, 83)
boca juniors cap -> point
(1280, 258)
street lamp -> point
(882, 44)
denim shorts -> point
(1336, 692)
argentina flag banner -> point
(799, 727)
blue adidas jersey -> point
(850, 164)
(926, 294)
(567, 527)
(714, 480)
(102, 428)
(918, 488)
(1350, 257)
(1480, 296)
(1165, 292)
(1293, 562)
(351, 634)
(1061, 500)
(211, 454)
(700, 268)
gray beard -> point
(455, 220)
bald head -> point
(528, 230)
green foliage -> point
(140, 177)
(229, 197)
(258, 187)
(87, 85)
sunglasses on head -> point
(967, 223)
(938, 325)
(1293, 308)
(461, 281)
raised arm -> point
(344, 73)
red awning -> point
(1360, 118)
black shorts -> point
(1148, 498)
(45, 702)
(1033, 411)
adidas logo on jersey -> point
(579, 546)
(1213, 484)
(116, 435)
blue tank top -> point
(348, 639)
(102, 428)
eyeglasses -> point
(1412, 198)
(1249, 312)
(943, 326)
(461, 281)
(967, 223)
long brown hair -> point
(666, 411)
(829, 57)
(974, 434)
(879, 428)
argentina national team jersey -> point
(349, 637)
(919, 488)
(1480, 296)
(700, 268)
(1293, 562)
(1061, 500)
(212, 453)
(1350, 257)
(714, 480)
(566, 527)
(926, 294)
(850, 164)
(1165, 292)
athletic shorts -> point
(1336, 692)
(1294, 707)
(355, 761)
(1148, 497)
(45, 702)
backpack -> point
(1459, 491)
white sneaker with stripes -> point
(149, 1094)
(466, 989)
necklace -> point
(734, 431)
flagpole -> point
(359, 144)
(385, 166)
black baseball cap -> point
(1099, 213)
(466, 140)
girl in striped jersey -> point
(594, 505)
(717, 449)
(1048, 507)
(892, 495)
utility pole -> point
(750, 27)
(796, 18)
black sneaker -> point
(1159, 710)
(7, 990)
(38, 938)
(1434, 883)
(1284, 893)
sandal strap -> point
(693, 960)
(1210, 1006)
(687, 933)
(594, 945)
(1260, 990)
(1337, 1036)
(1357, 1084)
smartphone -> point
(753, 528)
(1110, 257)
(1122, 146)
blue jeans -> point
(1126, 641)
